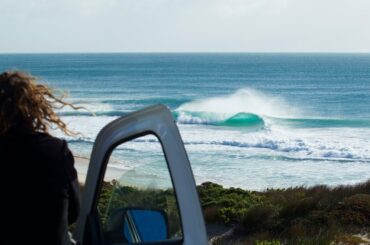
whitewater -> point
(291, 120)
(252, 140)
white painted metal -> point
(158, 120)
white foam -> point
(293, 143)
(276, 157)
(87, 127)
(244, 100)
(187, 118)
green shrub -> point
(293, 216)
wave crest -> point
(241, 119)
(244, 100)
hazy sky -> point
(184, 25)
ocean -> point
(249, 120)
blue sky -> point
(184, 26)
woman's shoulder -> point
(57, 149)
(50, 146)
(24, 138)
(47, 139)
(52, 141)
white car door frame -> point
(155, 120)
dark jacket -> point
(39, 189)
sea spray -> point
(244, 100)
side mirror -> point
(137, 225)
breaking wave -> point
(241, 119)
(251, 108)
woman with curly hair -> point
(39, 186)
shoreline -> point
(82, 165)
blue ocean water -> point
(247, 120)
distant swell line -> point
(279, 147)
(269, 144)
(90, 114)
(89, 140)
(322, 122)
(288, 158)
(310, 153)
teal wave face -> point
(241, 119)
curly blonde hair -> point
(27, 104)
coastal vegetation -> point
(297, 215)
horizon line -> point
(188, 52)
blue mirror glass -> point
(142, 225)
